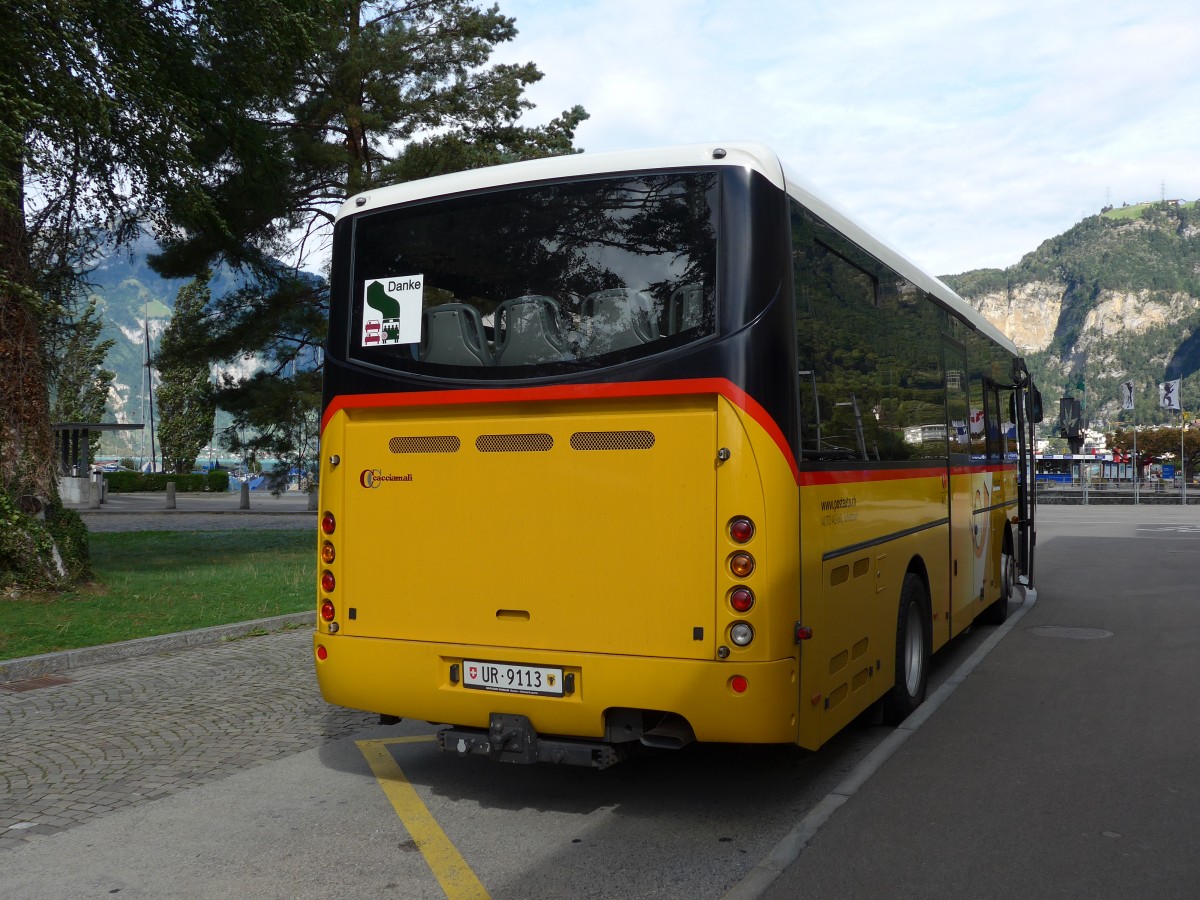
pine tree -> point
(187, 405)
(102, 105)
(396, 90)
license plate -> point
(507, 678)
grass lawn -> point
(158, 582)
(1135, 211)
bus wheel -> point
(998, 611)
(912, 652)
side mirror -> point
(1036, 398)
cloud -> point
(966, 134)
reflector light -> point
(327, 611)
(738, 684)
(741, 564)
(322, 653)
(741, 529)
(327, 581)
(328, 523)
(328, 554)
(742, 599)
(741, 633)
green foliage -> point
(103, 109)
(1159, 444)
(79, 382)
(187, 405)
(392, 91)
(141, 482)
(44, 553)
(276, 418)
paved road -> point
(1063, 766)
(1067, 764)
(197, 512)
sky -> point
(963, 132)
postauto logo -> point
(373, 478)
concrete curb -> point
(68, 660)
(187, 511)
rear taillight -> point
(328, 523)
(327, 611)
(327, 581)
(741, 529)
(741, 599)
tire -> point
(998, 611)
(912, 652)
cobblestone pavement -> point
(83, 744)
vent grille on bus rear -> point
(443, 443)
(513, 443)
(612, 440)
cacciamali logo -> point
(373, 478)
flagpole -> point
(1137, 472)
(1182, 422)
(1128, 388)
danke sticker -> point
(392, 310)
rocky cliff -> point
(1115, 298)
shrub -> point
(41, 553)
(134, 482)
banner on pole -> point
(1168, 394)
(1126, 395)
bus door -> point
(956, 612)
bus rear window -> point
(538, 280)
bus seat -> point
(454, 336)
(618, 318)
(528, 331)
(685, 309)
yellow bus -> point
(646, 448)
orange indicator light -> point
(741, 564)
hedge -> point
(133, 482)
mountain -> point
(1115, 298)
(135, 302)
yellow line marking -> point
(449, 868)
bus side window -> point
(868, 348)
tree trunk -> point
(26, 440)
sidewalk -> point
(264, 502)
(1064, 765)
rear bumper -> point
(413, 680)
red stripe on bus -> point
(722, 386)
(858, 476)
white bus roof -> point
(754, 156)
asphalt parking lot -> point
(1060, 764)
